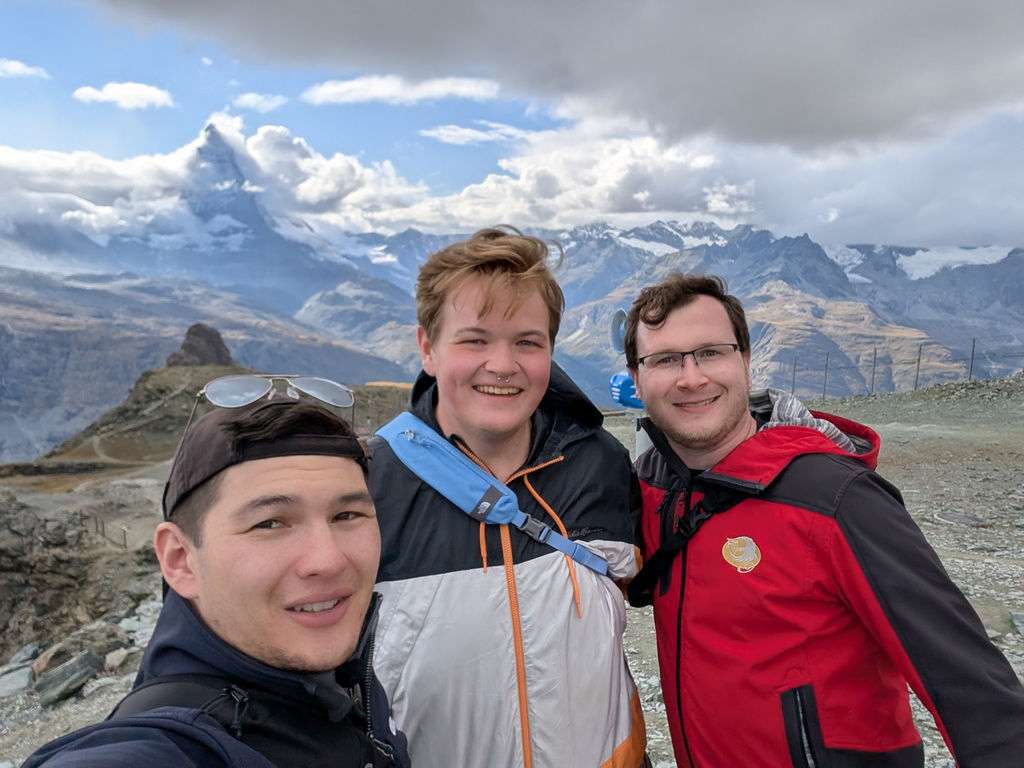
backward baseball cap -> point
(208, 448)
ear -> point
(177, 556)
(633, 374)
(426, 352)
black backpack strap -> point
(204, 692)
(717, 499)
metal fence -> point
(880, 370)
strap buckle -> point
(535, 529)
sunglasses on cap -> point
(236, 391)
(206, 448)
(243, 389)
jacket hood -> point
(788, 431)
(565, 414)
(183, 644)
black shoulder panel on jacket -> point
(816, 482)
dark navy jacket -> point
(180, 737)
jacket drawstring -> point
(540, 500)
(561, 528)
(483, 544)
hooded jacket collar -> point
(183, 644)
(790, 431)
(564, 415)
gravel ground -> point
(956, 449)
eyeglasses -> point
(236, 391)
(707, 358)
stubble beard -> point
(705, 440)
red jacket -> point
(790, 625)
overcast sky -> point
(853, 121)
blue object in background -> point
(624, 390)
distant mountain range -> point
(90, 314)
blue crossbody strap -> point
(469, 487)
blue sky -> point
(736, 112)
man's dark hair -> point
(656, 302)
(267, 424)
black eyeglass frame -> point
(682, 359)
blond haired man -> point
(496, 648)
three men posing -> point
(811, 599)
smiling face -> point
(703, 413)
(288, 560)
(491, 371)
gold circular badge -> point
(742, 553)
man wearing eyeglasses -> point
(794, 598)
(262, 655)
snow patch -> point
(658, 249)
(928, 261)
(847, 258)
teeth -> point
(697, 405)
(498, 390)
(316, 607)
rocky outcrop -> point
(203, 345)
(56, 575)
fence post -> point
(917, 375)
(825, 382)
(103, 528)
(874, 361)
(970, 371)
(124, 535)
(792, 387)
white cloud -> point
(260, 102)
(457, 134)
(126, 95)
(392, 89)
(12, 68)
(959, 189)
(207, 61)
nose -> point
(321, 553)
(501, 361)
(690, 374)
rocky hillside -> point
(71, 347)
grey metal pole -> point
(970, 371)
(792, 387)
(825, 382)
(917, 375)
(874, 362)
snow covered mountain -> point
(212, 216)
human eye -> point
(708, 353)
(529, 343)
(665, 360)
(267, 525)
(349, 515)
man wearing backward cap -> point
(262, 655)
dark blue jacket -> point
(181, 737)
